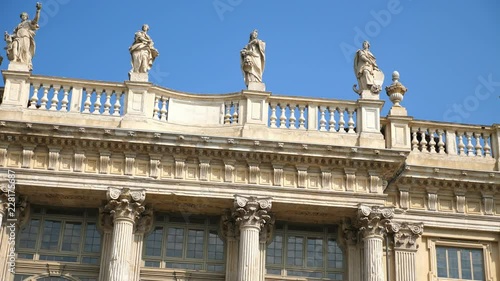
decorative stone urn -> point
(396, 90)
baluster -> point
(293, 120)
(322, 120)
(227, 115)
(235, 113)
(107, 103)
(423, 142)
(55, 99)
(302, 119)
(341, 120)
(332, 122)
(487, 148)
(283, 115)
(414, 140)
(87, 103)
(470, 147)
(440, 143)
(45, 98)
(350, 123)
(34, 98)
(164, 110)
(65, 100)
(117, 106)
(432, 142)
(156, 109)
(272, 119)
(461, 145)
(478, 147)
(97, 103)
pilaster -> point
(142, 228)
(405, 249)
(231, 234)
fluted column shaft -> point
(405, 249)
(232, 259)
(107, 239)
(249, 259)
(121, 250)
(405, 265)
(373, 252)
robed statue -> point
(21, 43)
(253, 59)
(369, 76)
(142, 51)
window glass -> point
(460, 263)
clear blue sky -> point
(445, 51)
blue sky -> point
(447, 52)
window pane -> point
(465, 262)
(215, 247)
(92, 239)
(175, 242)
(153, 242)
(196, 239)
(441, 262)
(335, 255)
(314, 252)
(71, 238)
(295, 250)
(50, 237)
(28, 236)
(274, 253)
(453, 262)
(477, 264)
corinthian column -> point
(405, 248)
(251, 215)
(125, 206)
(373, 226)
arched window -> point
(305, 251)
(190, 243)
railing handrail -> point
(212, 97)
(447, 125)
(318, 101)
(52, 80)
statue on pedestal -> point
(21, 43)
(142, 51)
(369, 76)
(253, 61)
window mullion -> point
(61, 235)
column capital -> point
(406, 235)
(251, 211)
(228, 227)
(374, 220)
(124, 203)
(145, 222)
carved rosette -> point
(406, 235)
(125, 203)
(374, 220)
(252, 211)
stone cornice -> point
(445, 179)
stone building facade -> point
(132, 181)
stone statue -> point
(21, 44)
(142, 51)
(253, 61)
(367, 72)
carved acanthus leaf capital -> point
(145, 223)
(252, 211)
(125, 203)
(406, 235)
(374, 220)
(229, 229)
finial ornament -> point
(369, 76)
(253, 61)
(21, 43)
(143, 54)
(396, 92)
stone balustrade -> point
(248, 114)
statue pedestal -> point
(138, 77)
(18, 66)
(369, 95)
(398, 111)
(256, 86)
